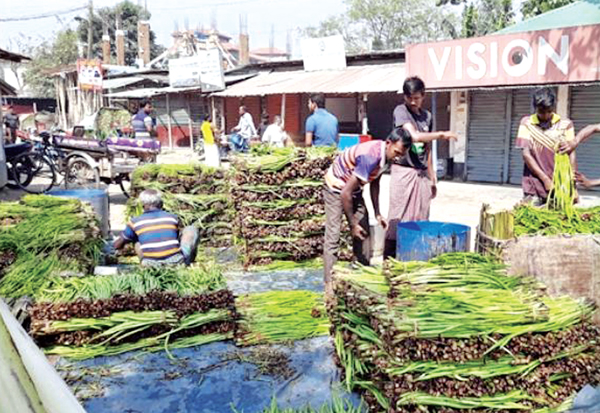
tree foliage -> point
(387, 24)
(59, 51)
(130, 15)
(532, 8)
(487, 16)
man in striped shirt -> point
(351, 170)
(156, 234)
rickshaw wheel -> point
(81, 174)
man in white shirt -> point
(274, 134)
(244, 131)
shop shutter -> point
(585, 110)
(486, 145)
(521, 106)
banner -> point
(570, 54)
(89, 74)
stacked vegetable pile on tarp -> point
(151, 308)
(280, 316)
(457, 334)
(42, 236)
(279, 203)
(197, 194)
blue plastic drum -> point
(423, 240)
(98, 198)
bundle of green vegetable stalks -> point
(277, 195)
(458, 334)
(42, 236)
(280, 316)
(150, 308)
(197, 194)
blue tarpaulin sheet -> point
(206, 378)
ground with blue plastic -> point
(213, 378)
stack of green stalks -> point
(532, 220)
(563, 194)
(280, 316)
(197, 194)
(151, 308)
(42, 236)
(559, 216)
(279, 202)
(458, 334)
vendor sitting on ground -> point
(157, 236)
(343, 194)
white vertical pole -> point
(190, 125)
(170, 133)
(283, 111)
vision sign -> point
(550, 56)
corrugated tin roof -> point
(580, 13)
(120, 82)
(12, 57)
(352, 79)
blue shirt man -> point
(321, 127)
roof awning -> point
(353, 79)
(145, 93)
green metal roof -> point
(580, 13)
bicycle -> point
(47, 161)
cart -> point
(85, 162)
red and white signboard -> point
(89, 74)
(571, 54)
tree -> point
(532, 8)
(59, 51)
(486, 16)
(106, 17)
(388, 24)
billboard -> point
(324, 53)
(570, 54)
(203, 70)
(89, 74)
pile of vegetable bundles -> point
(279, 203)
(149, 308)
(42, 236)
(280, 317)
(197, 194)
(457, 334)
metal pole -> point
(90, 18)
(283, 111)
(435, 143)
(3, 174)
(169, 132)
(190, 125)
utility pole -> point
(90, 22)
(272, 39)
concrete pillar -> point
(106, 49)
(244, 57)
(144, 41)
(563, 100)
(120, 34)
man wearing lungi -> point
(413, 179)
